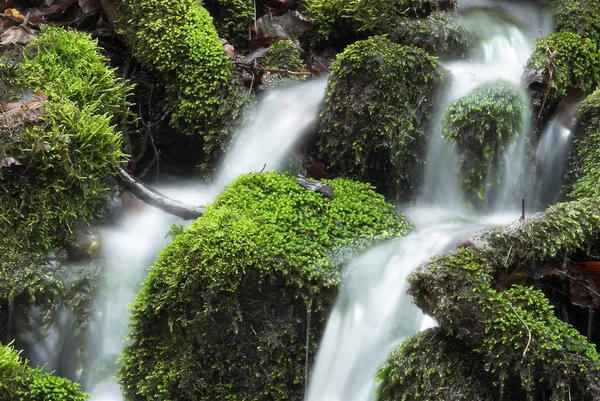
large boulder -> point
(379, 99)
(223, 311)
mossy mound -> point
(176, 40)
(579, 16)
(574, 66)
(338, 18)
(512, 325)
(57, 158)
(482, 124)
(439, 34)
(233, 16)
(432, 366)
(222, 313)
(284, 55)
(18, 381)
(584, 159)
(379, 98)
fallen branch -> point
(158, 200)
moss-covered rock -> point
(379, 98)
(439, 34)
(284, 55)
(18, 381)
(222, 313)
(337, 18)
(233, 16)
(514, 328)
(584, 159)
(482, 124)
(176, 39)
(579, 16)
(434, 366)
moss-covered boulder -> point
(176, 40)
(578, 16)
(18, 381)
(573, 66)
(489, 296)
(379, 98)
(433, 365)
(339, 18)
(583, 175)
(222, 314)
(284, 55)
(482, 124)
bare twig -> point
(527, 327)
(550, 61)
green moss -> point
(233, 16)
(20, 382)
(515, 330)
(176, 40)
(222, 313)
(434, 366)
(584, 160)
(576, 63)
(379, 98)
(482, 124)
(439, 34)
(579, 16)
(341, 17)
(283, 54)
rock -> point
(289, 25)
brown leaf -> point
(16, 34)
(13, 12)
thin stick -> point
(527, 327)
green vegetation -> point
(18, 381)
(222, 313)
(284, 55)
(379, 98)
(579, 16)
(482, 124)
(233, 16)
(341, 17)
(434, 366)
(584, 160)
(515, 330)
(176, 40)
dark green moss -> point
(19, 382)
(379, 99)
(584, 160)
(515, 329)
(579, 16)
(233, 16)
(434, 366)
(284, 55)
(482, 124)
(222, 313)
(176, 40)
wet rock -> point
(289, 25)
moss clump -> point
(579, 16)
(341, 17)
(584, 160)
(439, 34)
(20, 382)
(284, 55)
(222, 313)
(434, 366)
(378, 101)
(233, 16)
(482, 124)
(176, 40)
(515, 330)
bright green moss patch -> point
(284, 55)
(432, 366)
(584, 161)
(483, 124)
(18, 381)
(379, 98)
(222, 313)
(176, 40)
(579, 16)
(515, 329)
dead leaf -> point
(16, 113)
(13, 12)
(89, 6)
(275, 7)
(16, 35)
(9, 161)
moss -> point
(284, 55)
(515, 330)
(176, 40)
(378, 101)
(482, 124)
(222, 313)
(18, 381)
(439, 34)
(339, 18)
(579, 16)
(233, 16)
(434, 366)
(584, 159)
